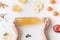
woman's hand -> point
(16, 31)
(46, 23)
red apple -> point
(56, 28)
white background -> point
(35, 31)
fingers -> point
(15, 29)
(46, 22)
(44, 18)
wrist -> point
(43, 30)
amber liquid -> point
(27, 21)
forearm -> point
(44, 35)
(16, 32)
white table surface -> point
(34, 31)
